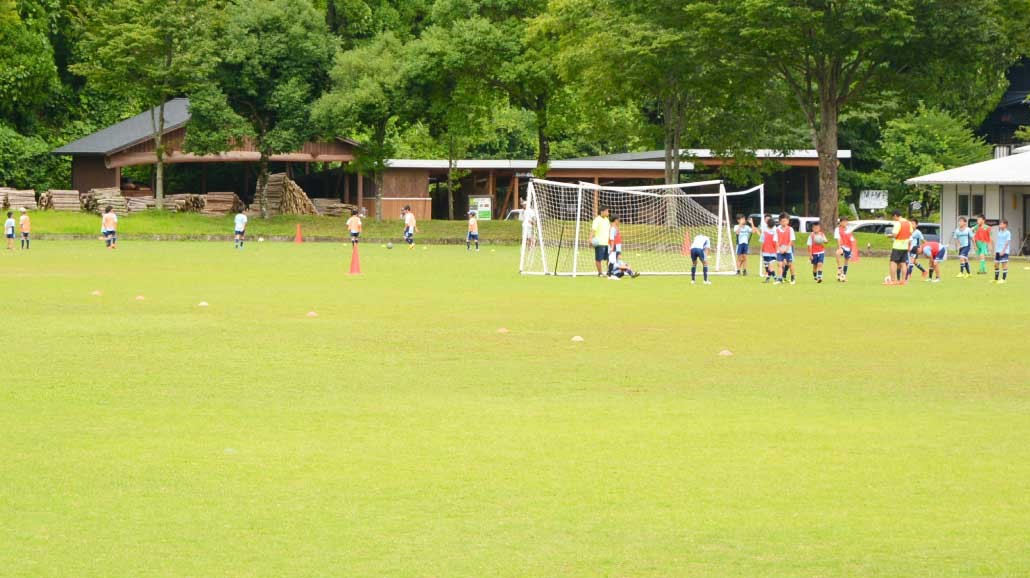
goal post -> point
(658, 224)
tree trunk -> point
(826, 147)
(158, 126)
(450, 178)
(377, 178)
(543, 158)
(262, 185)
(670, 141)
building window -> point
(970, 204)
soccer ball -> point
(389, 245)
(887, 279)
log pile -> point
(218, 204)
(60, 200)
(97, 200)
(15, 199)
(184, 203)
(138, 204)
(285, 197)
(333, 208)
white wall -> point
(1012, 208)
(949, 211)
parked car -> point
(514, 215)
(800, 224)
(931, 231)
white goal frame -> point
(534, 244)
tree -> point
(833, 56)
(923, 142)
(368, 93)
(274, 55)
(153, 50)
(27, 72)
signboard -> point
(483, 206)
(872, 200)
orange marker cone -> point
(355, 261)
(854, 251)
(298, 238)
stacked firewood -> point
(138, 204)
(97, 200)
(184, 203)
(217, 204)
(60, 200)
(16, 199)
(333, 208)
(285, 197)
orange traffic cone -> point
(685, 250)
(854, 252)
(355, 261)
(298, 238)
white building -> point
(998, 188)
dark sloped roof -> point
(128, 132)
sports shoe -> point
(708, 282)
(767, 280)
(818, 280)
(793, 282)
(777, 282)
(1001, 281)
(937, 280)
(613, 278)
(635, 274)
(693, 282)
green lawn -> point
(858, 430)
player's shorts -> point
(818, 258)
(846, 253)
(601, 253)
(10, 235)
(982, 248)
(472, 237)
(899, 255)
(742, 248)
(408, 233)
(941, 255)
(698, 255)
(239, 233)
(964, 252)
(24, 235)
(785, 257)
(1001, 257)
(768, 258)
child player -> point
(9, 230)
(935, 253)
(817, 251)
(963, 236)
(354, 227)
(699, 252)
(1002, 246)
(982, 240)
(743, 230)
(239, 228)
(914, 242)
(785, 238)
(473, 234)
(109, 227)
(845, 244)
(25, 224)
(410, 227)
(768, 234)
(614, 244)
(621, 269)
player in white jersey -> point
(239, 229)
(699, 250)
(743, 230)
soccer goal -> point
(658, 224)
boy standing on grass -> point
(902, 235)
(109, 227)
(914, 243)
(963, 236)
(600, 232)
(743, 231)
(25, 223)
(845, 243)
(473, 234)
(785, 238)
(699, 252)
(982, 238)
(354, 227)
(239, 229)
(410, 227)
(768, 233)
(9, 230)
(1002, 246)
(817, 251)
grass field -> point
(857, 430)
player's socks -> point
(477, 245)
(1005, 275)
(845, 270)
(705, 270)
(693, 273)
(996, 274)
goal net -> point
(657, 224)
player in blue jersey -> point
(963, 237)
(743, 230)
(1002, 248)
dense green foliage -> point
(503, 78)
(399, 435)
